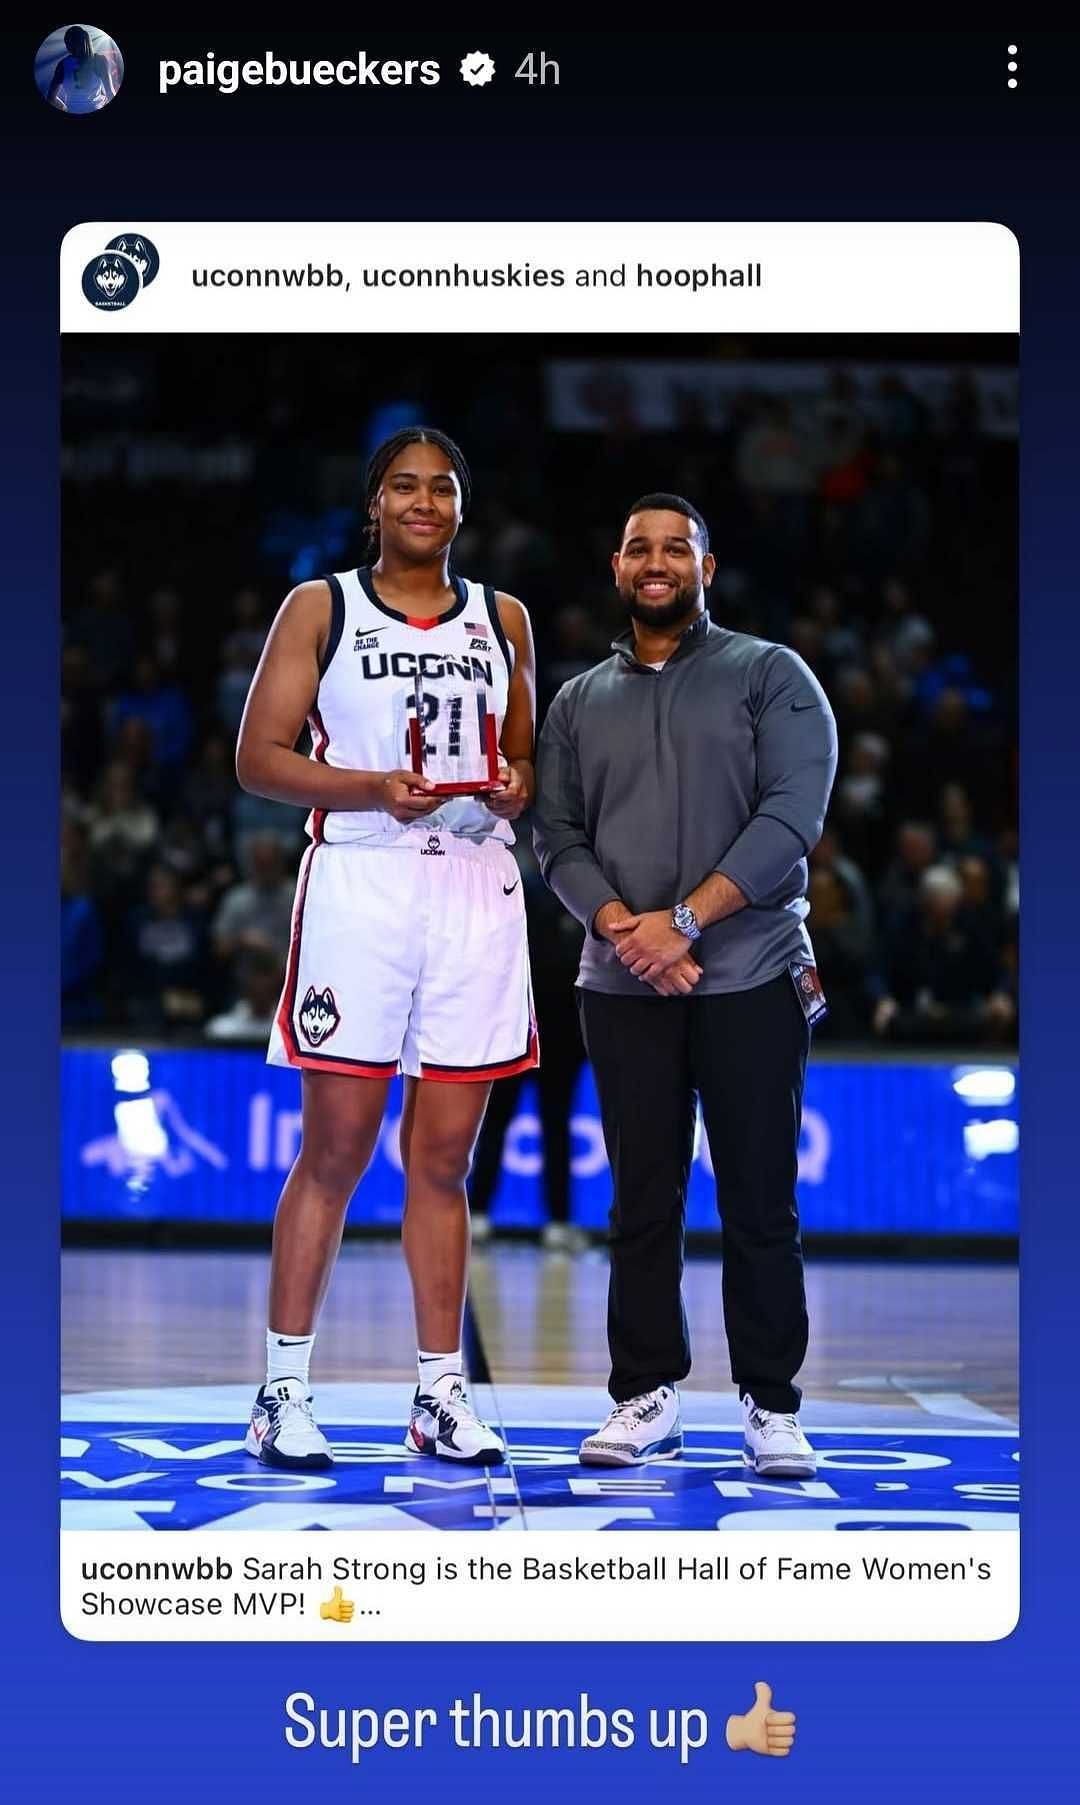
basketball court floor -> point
(910, 1398)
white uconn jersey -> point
(368, 685)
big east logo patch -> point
(319, 1015)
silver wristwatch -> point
(684, 921)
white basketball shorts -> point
(408, 957)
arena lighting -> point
(141, 1134)
(130, 1072)
(138, 1128)
(984, 1138)
(985, 1084)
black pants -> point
(744, 1054)
(561, 1059)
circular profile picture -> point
(142, 253)
(78, 69)
(111, 281)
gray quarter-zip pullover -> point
(648, 781)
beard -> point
(671, 613)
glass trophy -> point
(452, 733)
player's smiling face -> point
(660, 567)
(418, 507)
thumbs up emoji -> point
(764, 1730)
(337, 1609)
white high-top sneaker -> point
(774, 1444)
(648, 1427)
(444, 1423)
(282, 1431)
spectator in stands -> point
(209, 793)
(81, 944)
(900, 626)
(950, 748)
(892, 530)
(167, 974)
(1008, 849)
(844, 465)
(943, 982)
(773, 459)
(860, 705)
(247, 635)
(165, 610)
(251, 1015)
(81, 732)
(123, 833)
(899, 413)
(830, 855)
(841, 641)
(103, 629)
(520, 550)
(183, 849)
(892, 689)
(981, 897)
(859, 801)
(256, 914)
(240, 653)
(165, 709)
(233, 683)
(842, 956)
(916, 851)
(255, 817)
(957, 834)
(576, 646)
(840, 419)
(133, 746)
(804, 636)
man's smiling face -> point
(661, 567)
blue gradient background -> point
(901, 127)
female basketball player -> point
(408, 940)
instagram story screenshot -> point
(542, 851)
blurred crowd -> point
(876, 541)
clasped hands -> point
(650, 948)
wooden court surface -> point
(879, 1329)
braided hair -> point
(383, 456)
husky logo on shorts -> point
(318, 1015)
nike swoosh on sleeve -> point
(801, 707)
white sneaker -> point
(563, 1237)
(444, 1423)
(774, 1444)
(645, 1428)
(282, 1431)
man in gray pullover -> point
(680, 786)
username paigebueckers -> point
(269, 71)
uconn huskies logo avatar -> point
(126, 266)
(318, 1015)
(142, 253)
